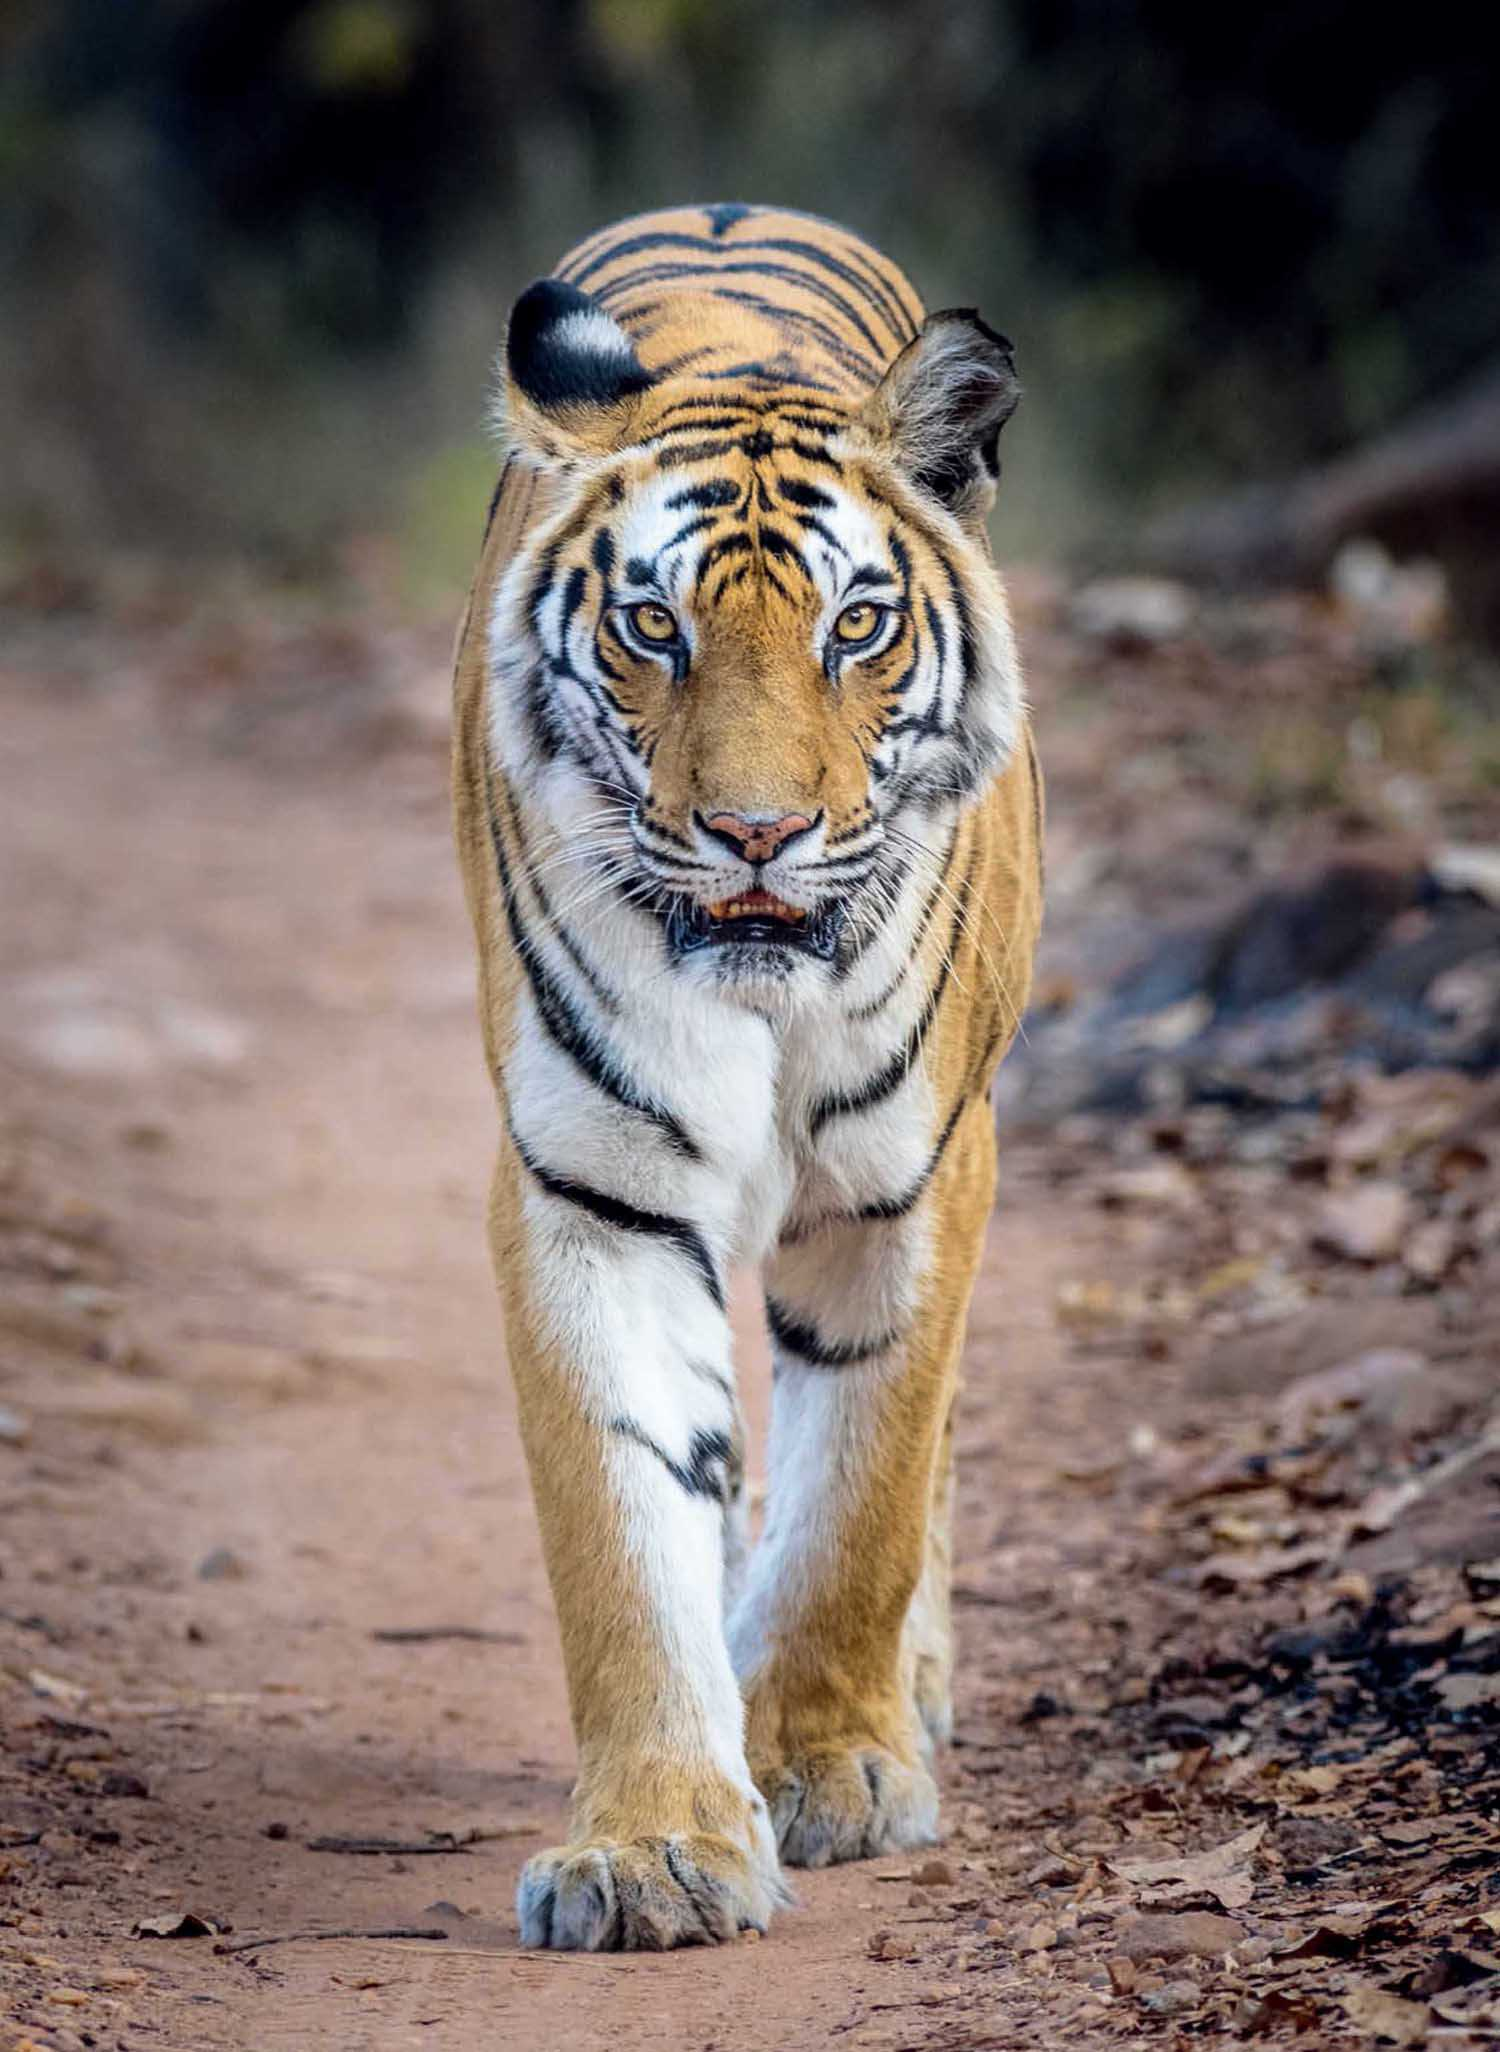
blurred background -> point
(256, 260)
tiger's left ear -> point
(940, 407)
(572, 377)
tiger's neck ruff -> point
(749, 825)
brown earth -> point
(253, 1414)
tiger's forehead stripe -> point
(823, 314)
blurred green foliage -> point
(257, 259)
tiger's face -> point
(760, 635)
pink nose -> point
(756, 840)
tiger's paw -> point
(849, 1803)
(644, 1895)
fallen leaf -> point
(1221, 1874)
(1226, 1571)
(54, 1688)
(1341, 1931)
(1469, 1691)
(1195, 1934)
(1312, 1782)
(1385, 2016)
(1477, 2008)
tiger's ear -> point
(571, 375)
(940, 407)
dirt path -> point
(264, 1079)
(253, 1411)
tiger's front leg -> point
(619, 1346)
(841, 1638)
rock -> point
(119, 1783)
(1431, 1250)
(223, 1564)
(934, 1874)
(1131, 612)
(892, 1945)
(14, 1429)
(1366, 1223)
(1040, 1938)
(1164, 1182)
(119, 1977)
(1467, 867)
(1194, 1934)
(1174, 1999)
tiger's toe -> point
(645, 1895)
(849, 1803)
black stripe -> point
(736, 543)
(800, 493)
(704, 1471)
(897, 1207)
(714, 491)
(877, 295)
(887, 1081)
(585, 1047)
(768, 379)
(868, 370)
(795, 1336)
(815, 288)
(616, 1212)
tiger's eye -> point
(857, 623)
(653, 623)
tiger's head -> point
(756, 627)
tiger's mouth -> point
(755, 905)
(755, 919)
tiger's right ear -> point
(572, 377)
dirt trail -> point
(254, 1411)
(259, 987)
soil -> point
(1226, 1762)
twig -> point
(419, 1635)
(433, 1931)
(434, 1842)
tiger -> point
(749, 819)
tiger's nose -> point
(754, 837)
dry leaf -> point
(1477, 2008)
(1384, 2015)
(1469, 1691)
(1222, 1874)
(1227, 1571)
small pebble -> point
(1173, 1999)
(118, 1783)
(223, 1564)
(935, 1874)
